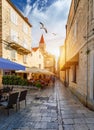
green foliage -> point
(14, 80)
(38, 84)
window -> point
(91, 8)
(13, 55)
(14, 35)
(75, 4)
(47, 62)
(40, 56)
(91, 75)
(75, 30)
(74, 73)
(31, 54)
(25, 29)
(40, 66)
(25, 43)
(13, 16)
(25, 58)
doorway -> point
(92, 75)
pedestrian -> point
(53, 80)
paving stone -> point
(91, 126)
(68, 127)
(68, 112)
(36, 114)
(61, 112)
(72, 116)
(44, 114)
(89, 115)
(79, 121)
(60, 127)
(89, 120)
(48, 119)
(52, 125)
(16, 129)
(43, 107)
(44, 125)
(81, 111)
(67, 116)
(37, 125)
(54, 119)
(81, 127)
(25, 128)
(68, 121)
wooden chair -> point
(0, 94)
(6, 89)
(11, 89)
(22, 97)
(12, 99)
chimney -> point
(26, 19)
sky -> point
(53, 14)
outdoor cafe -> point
(8, 95)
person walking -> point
(53, 80)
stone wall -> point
(80, 40)
(0, 28)
(7, 26)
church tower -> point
(42, 44)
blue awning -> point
(7, 64)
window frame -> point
(13, 17)
(14, 35)
(25, 28)
(13, 54)
(24, 58)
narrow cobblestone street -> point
(54, 108)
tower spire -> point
(42, 44)
(42, 40)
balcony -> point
(13, 43)
(19, 48)
(71, 62)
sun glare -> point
(56, 53)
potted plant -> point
(38, 85)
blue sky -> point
(53, 14)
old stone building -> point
(37, 58)
(49, 59)
(79, 51)
(61, 62)
(15, 35)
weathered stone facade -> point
(79, 51)
(1, 28)
(15, 34)
(37, 58)
(61, 62)
(8, 26)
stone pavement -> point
(54, 108)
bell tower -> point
(42, 44)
